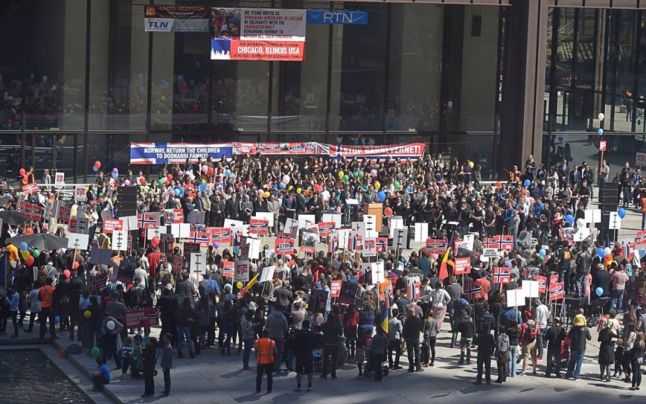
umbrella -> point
(42, 241)
(12, 217)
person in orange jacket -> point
(265, 358)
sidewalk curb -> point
(79, 366)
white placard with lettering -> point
(120, 240)
(77, 241)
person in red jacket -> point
(528, 334)
(265, 358)
(154, 258)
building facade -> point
(488, 80)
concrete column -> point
(477, 100)
(99, 62)
(163, 77)
(138, 67)
(524, 83)
(73, 62)
(335, 78)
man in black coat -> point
(486, 343)
(332, 331)
(412, 328)
(303, 343)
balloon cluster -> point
(26, 255)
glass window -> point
(191, 80)
(415, 66)
(620, 65)
(240, 96)
(118, 66)
(479, 63)
(300, 88)
(358, 71)
(42, 82)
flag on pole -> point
(444, 271)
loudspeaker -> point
(127, 201)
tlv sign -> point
(159, 24)
(337, 17)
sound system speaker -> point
(609, 195)
(127, 201)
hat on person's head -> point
(579, 320)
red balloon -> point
(155, 242)
(22, 172)
(97, 165)
(29, 261)
(75, 265)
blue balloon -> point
(179, 192)
(202, 187)
(600, 131)
(569, 219)
(599, 252)
(381, 196)
(598, 291)
(527, 183)
(115, 173)
(621, 212)
(24, 246)
(541, 253)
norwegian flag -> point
(474, 292)
(501, 275)
(149, 220)
(198, 236)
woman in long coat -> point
(606, 351)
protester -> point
(166, 362)
(529, 221)
(266, 353)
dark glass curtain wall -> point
(596, 64)
(84, 80)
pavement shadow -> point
(248, 398)
(233, 374)
(607, 386)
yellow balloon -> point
(471, 164)
(239, 285)
(87, 314)
(377, 185)
(340, 175)
(298, 190)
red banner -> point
(259, 227)
(410, 150)
(285, 245)
(437, 245)
(281, 51)
(220, 236)
(557, 292)
(228, 269)
(111, 225)
(32, 211)
(462, 266)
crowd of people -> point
(335, 297)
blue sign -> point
(337, 17)
(167, 153)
